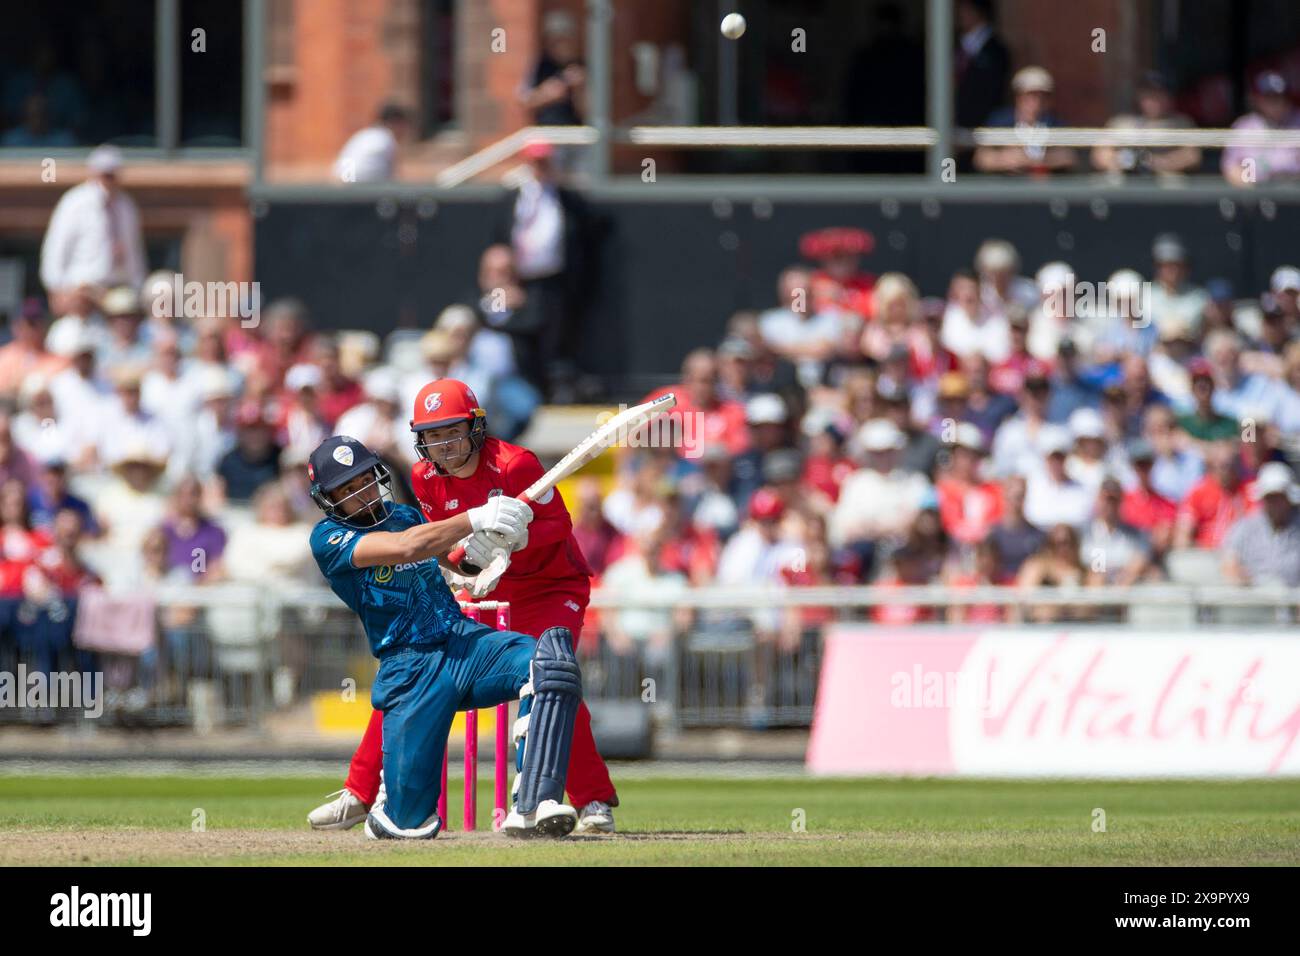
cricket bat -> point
(585, 451)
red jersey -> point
(723, 424)
(969, 512)
(1147, 510)
(1213, 509)
(552, 561)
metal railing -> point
(719, 656)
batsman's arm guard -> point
(545, 733)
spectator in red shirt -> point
(704, 416)
(593, 532)
(811, 569)
(285, 342)
(988, 572)
(1145, 508)
(685, 548)
(1008, 376)
(826, 466)
(19, 541)
(1216, 502)
(840, 282)
(969, 505)
(908, 569)
(930, 360)
(336, 392)
(59, 565)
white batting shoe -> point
(380, 827)
(550, 819)
(342, 813)
(595, 817)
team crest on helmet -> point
(432, 401)
(311, 472)
(343, 455)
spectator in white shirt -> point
(80, 398)
(127, 424)
(36, 428)
(1022, 440)
(304, 424)
(881, 499)
(129, 506)
(1174, 299)
(1087, 463)
(998, 264)
(968, 327)
(122, 343)
(171, 388)
(376, 421)
(1055, 318)
(210, 433)
(793, 331)
(370, 155)
(274, 548)
(94, 240)
(1052, 497)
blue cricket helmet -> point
(335, 462)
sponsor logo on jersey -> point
(335, 538)
(383, 574)
(572, 606)
(410, 565)
(451, 505)
(494, 467)
(494, 492)
(343, 455)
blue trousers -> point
(419, 689)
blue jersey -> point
(398, 604)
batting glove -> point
(507, 516)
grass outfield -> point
(73, 820)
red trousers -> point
(588, 777)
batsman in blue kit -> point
(382, 561)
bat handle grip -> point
(457, 555)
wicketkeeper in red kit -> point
(546, 580)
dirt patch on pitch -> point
(126, 846)
(89, 847)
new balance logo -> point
(452, 505)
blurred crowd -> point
(1022, 429)
(1015, 432)
(149, 439)
(982, 74)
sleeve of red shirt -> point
(551, 523)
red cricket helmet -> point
(445, 402)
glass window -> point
(76, 73)
(212, 101)
(438, 66)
